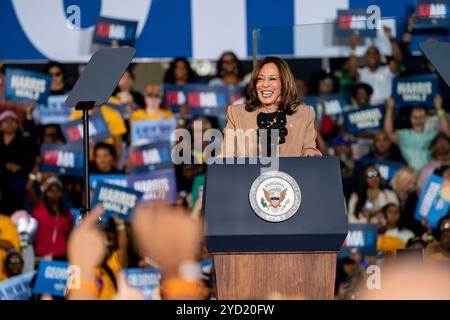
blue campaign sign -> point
(51, 278)
(146, 131)
(17, 288)
(202, 99)
(386, 168)
(415, 90)
(148, 281)
(109, 31)
(354, 22)
(115, 179)
(64, 159)
(98, 129)
(116, 200)
(54, 111)
(334, 104)
(151, 157)
(432, 14)
(364, 119)
(431, 205)
(361, 237)
(25, 86)
(157, 186)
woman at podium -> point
(273, 122)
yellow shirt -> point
(8, 232)
(389, 245)
(107, 289)
(113, 119)
(162, 114)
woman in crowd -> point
(230, 71)
(124, 91)
(58, 85)
(394, 223)
(54, 219)
(370, 198)
(180, 72)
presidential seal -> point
(275, 196)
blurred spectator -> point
(302, 87)
(378, 76)
(51, 133)
(394, 223)
(343, 150)
(114, 120)
(9, 239)
(323, 83)
(370, 198)
(16, 161)
(440, 147)
(54, 218)
(386, 243)
(347, 287)
(153, 106)
(105, 159)
(57, 71)
(180, 72)
(440, 251)
(414, 143)
(404, 183)
(26, 227)
(361, 94)
(124, 91)
(383, 149)
(230, 71)
(13, 263)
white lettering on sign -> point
(117, 31)
(52, 272)
(116, 200)
(355, 238)
(143, 279)
(27, 87)
(208, 99)
(366, 118)
(358, 22)
(153, 189)
(429, 198)
(66, 159)
(151, 156)
(414, 90)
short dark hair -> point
(440, 135)
(107, 146)
(364, 86)
(52, 64)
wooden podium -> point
(257, 259)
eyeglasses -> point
(372, 174)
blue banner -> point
(354, 22)
(148, 281)
(361, 237)
(64, 159)
(151, 157)
(415, 90)
(386, 168)
(432, 14)
(432, 206)
(364, 119)
(146, 131)
(202, 99)
(157, 185)
(51, 278)
(98, 129)
(116, 200)
(109, 31)
(54, 111)
(115, 179)
(25, 86)
(334, 104)
(17, 288)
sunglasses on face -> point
(372, 174)
(15, 261)
(56, 74)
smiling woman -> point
(272, 110)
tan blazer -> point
(300, 141)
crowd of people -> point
(36, 221)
